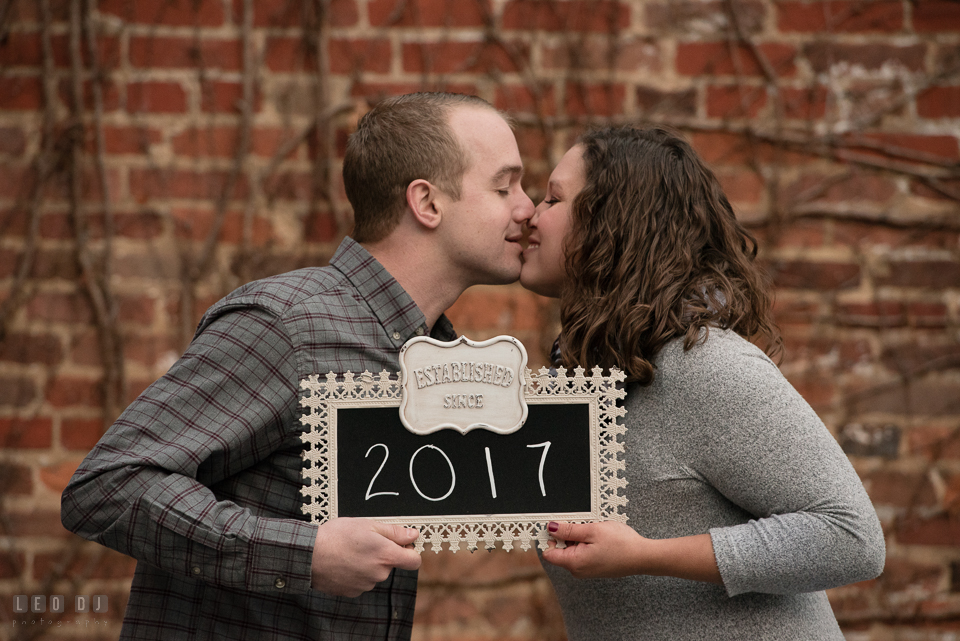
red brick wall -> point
(832, 124)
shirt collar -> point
(390, 303)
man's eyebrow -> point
(511, 170)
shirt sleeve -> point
(766, 450)
(225, 408)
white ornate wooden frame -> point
(322, 399)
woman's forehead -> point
(569, 172)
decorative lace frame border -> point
(322, 399)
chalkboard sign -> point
(459, 485)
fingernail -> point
(552, 526)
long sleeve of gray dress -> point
(813, 526)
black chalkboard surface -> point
(384, 470)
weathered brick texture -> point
(832, 124)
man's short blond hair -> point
(402, 139)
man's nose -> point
(535, 216)
(524, 211)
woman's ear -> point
(422, 199)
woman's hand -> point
(595, 550)
(610, 549)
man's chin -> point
(507, 277)
(509, 280)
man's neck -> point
(419, 275)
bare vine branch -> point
(197, 268)
(920, 166)
(905, 98)
(111, 340)
(287, 148)
(95, 284)
(250, 64)
(43, 167)
(493, 34)
(769, 73)
(772, 83)
(318, 43)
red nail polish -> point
(553, 527)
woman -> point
(742, 508)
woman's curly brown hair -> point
(655, 252)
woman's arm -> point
(764, 449)
(739, 427)
(610, 549)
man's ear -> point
(422, 201)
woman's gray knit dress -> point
(722, 443)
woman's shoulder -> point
(716, 348)
(720, 363)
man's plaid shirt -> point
(199, 479)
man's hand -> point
(351, 556)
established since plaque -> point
(465, 444)
(463, 385)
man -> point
(199, 479)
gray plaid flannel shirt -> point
(199, 479)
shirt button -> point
(279, 583)
(419, 331)
(396, 336)
(396, 613)
(196, 569)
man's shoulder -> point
(285, 291)
(289, 294)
